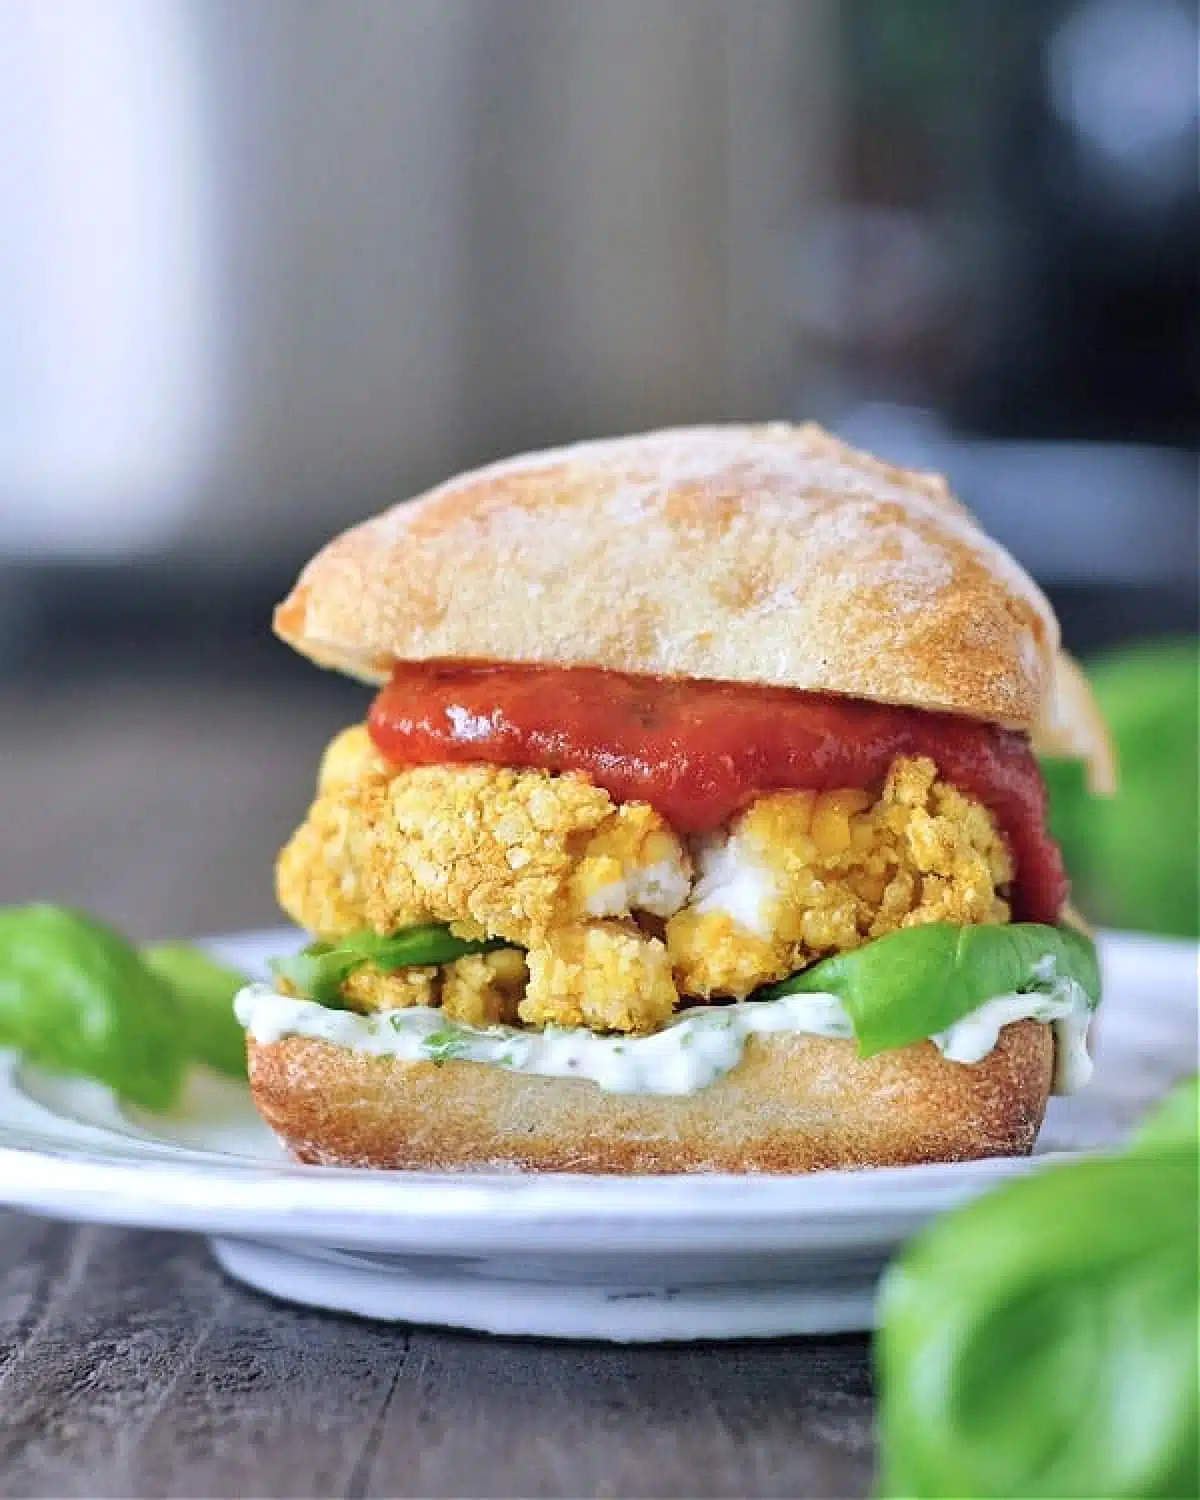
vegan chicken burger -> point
(696, 825)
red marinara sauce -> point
(698, 751)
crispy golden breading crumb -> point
(713, 954)
(634, 862)
(481, 989)
(350, 757)
(489, 849)
(801, 874)
(319, 875)
(495, 852)
(605, 975)
(485, 988)
(518, 853)
(370, 988)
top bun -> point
(774, 555)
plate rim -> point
(427, 1212)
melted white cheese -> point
(661, 888)
(731, 882)
(701, 1045)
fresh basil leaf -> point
(911, 984)
(431, 944)
(1043, 1340)
(1124, 875)
(319, 971)
(77, 997)
(1176, 1121)
(204, 991)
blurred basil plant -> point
(1135, 859)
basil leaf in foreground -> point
(319, 971)
(1043, 1340)
(204, 991)
(77, 997)
(1174, 1122)
(911, 984)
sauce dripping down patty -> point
(699, 751)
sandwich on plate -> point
(696, 825)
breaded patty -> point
(548, 862)
(605, 975)
(800, 875)
(520, 853)
(552, 865)
(481, 989)
(516, 853)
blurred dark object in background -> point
(1016, 237)
(1007, 286)
(268, 267)
(273, 266)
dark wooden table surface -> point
(130, 1366)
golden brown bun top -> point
(773, 554)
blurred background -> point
(265, 268)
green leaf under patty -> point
(319, 971)
(912, 984)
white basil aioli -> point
(701, 1045)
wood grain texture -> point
(130, 1367)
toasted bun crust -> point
(772, 554)
(794, 1104)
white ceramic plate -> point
(559, 1256)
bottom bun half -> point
(793, 1104)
